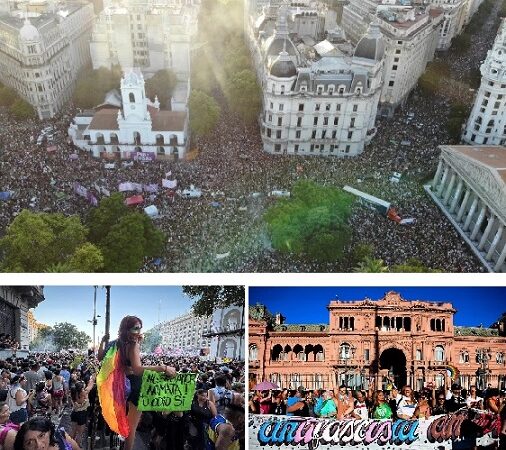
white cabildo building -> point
(43, 47)
(411, 36)
(470, 188)
(131, 126)
(487, 122)
(149, 34)
(320, 97)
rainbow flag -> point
(112, 387)
(452, 371)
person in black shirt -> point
(455, 401)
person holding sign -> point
(120, 377)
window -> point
(315, 121)
(282, 89)
(327, 107)
(345, 351)
(487, 94)
(281, 106)
(269, 118)
(299, 121)
(296, 148)
(418, 355)
(397, 52)
(390, 83)
(334, 133)
(352, 122)
(280, 121)
(464, 357)
(355, 108)
(277, 147)
(311, 149)
(366, 354)
(301, 106)
(336, 120)
(338, 107)
(278, 134)
(499, 358)
(394, 67)
(319, 90)
(253, 353)
(439, 353)
(297, 134)
(324, 132)
(317, 107)
(268, 132)
(313, 134)
(325, 121)
(396, 59)
(347, 149)
(271, 105)
(350, 134)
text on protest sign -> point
(298, 433)
(160, 393)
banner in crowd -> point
(439, 432)
(170, 184)
(160, 393)
(80, 190)
(143, 156)
(127, 186)
(5, 195)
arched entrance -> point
(394, 361)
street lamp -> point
(94, 321)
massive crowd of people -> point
(48, 392)
(223, 230)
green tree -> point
(360, 251)
(412, 265)
(67, 336)
(92, 85)
(129, 241)
(34, 242)
(105, 216)
(243, 95)
(237, 58)
(207, 299)
(430, 80)
(371, 265)
(204, 113)
(86, 259)
(7, 96)
(161, 84)
(312, 222)
(152, 339)
(21, 109)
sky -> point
(74, 304)
(474, 305)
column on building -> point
(472, 215)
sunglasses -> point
(441, 399)
(135, 329)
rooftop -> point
(476, 331)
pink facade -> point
(383, 341)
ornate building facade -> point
(227, 333)
(42, 51)
(390, 340)
(186, 332)
(487, 122)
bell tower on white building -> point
(133, 95)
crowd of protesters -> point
(8, 342)
(405, 403)
(55, 394)
(223, 230)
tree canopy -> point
(124, 236)
(162, 85)
(152, 339)
(313, 222)
(207, 299)
(204, 113)
(243, 94)
(37, 242)
(92, 85)
(62, 336)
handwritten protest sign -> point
(160, 393)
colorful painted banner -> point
(467, 427)
(160, 393)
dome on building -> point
(283, 66)
(372, 45)
(274, 45)
(28, 32)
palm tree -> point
(371, 265)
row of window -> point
(346, 351)
(298, 133)
(318, 147)
(317, 107)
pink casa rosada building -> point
(386, 341)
